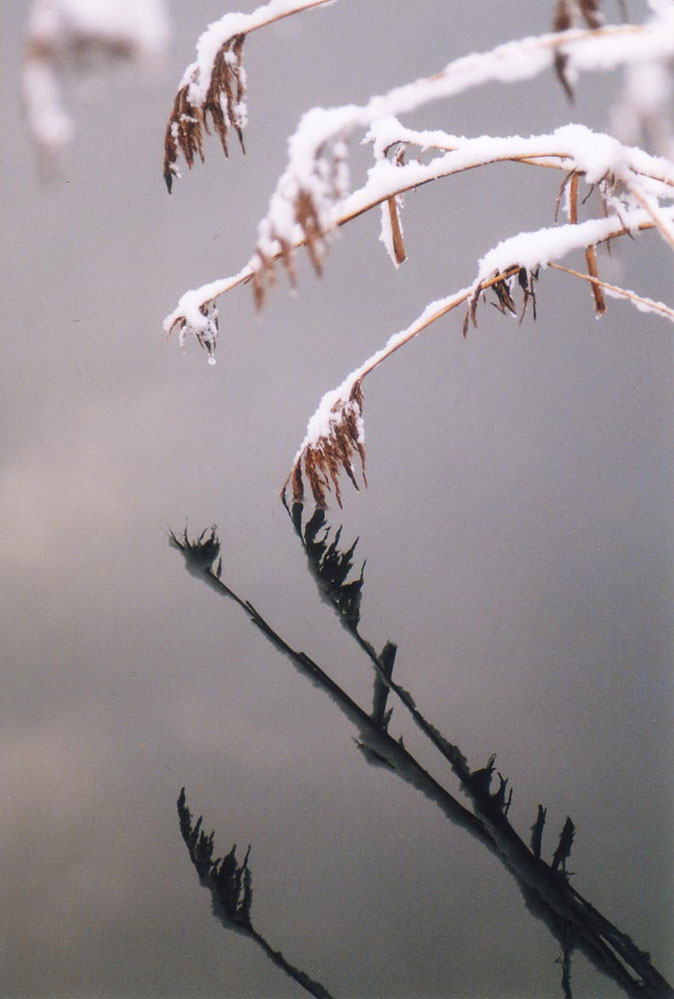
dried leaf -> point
(591, 263)
(396, 231)
(505, 299)
(223, 102)
(309, 207)
(322, 461)
(590, 11)
(562, 22)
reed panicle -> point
(214, 86)
(311, 207)
(325, 454)
(632, 188)
(224, 103)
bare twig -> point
(231, 888)
(546, 889)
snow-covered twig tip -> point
(223, 100)
(336, 430)
(214, 86)
(335, 436)
(313, 186)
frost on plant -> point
(214, 85)
(223, 99)
(607, 189)
(335, 436)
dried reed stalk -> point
(193, 313)
(640, 301)
(310, 202)
(328, 448)
(322, 130)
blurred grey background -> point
(517, 529)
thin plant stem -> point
(546, 891)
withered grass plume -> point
(629, 190)
(224, 103)
(329, 452)
(215, 85)
(230, 884)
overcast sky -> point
(517, 529)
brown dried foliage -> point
(322, 463)
(306, 217)
(394, 218)
(566, 12)
(591, 263)
(590, 253)
(501, 285)
(396, 231)
(325, 187)
(188, 122)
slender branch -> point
(378, 746)
(546, 891)
(650, 205)
(231, 888)
(335, 432)
(306, 192)
(640, 301)
(386, 182)
(490, 808)
(270, 17)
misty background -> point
(517, 528)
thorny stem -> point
(547, 893)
